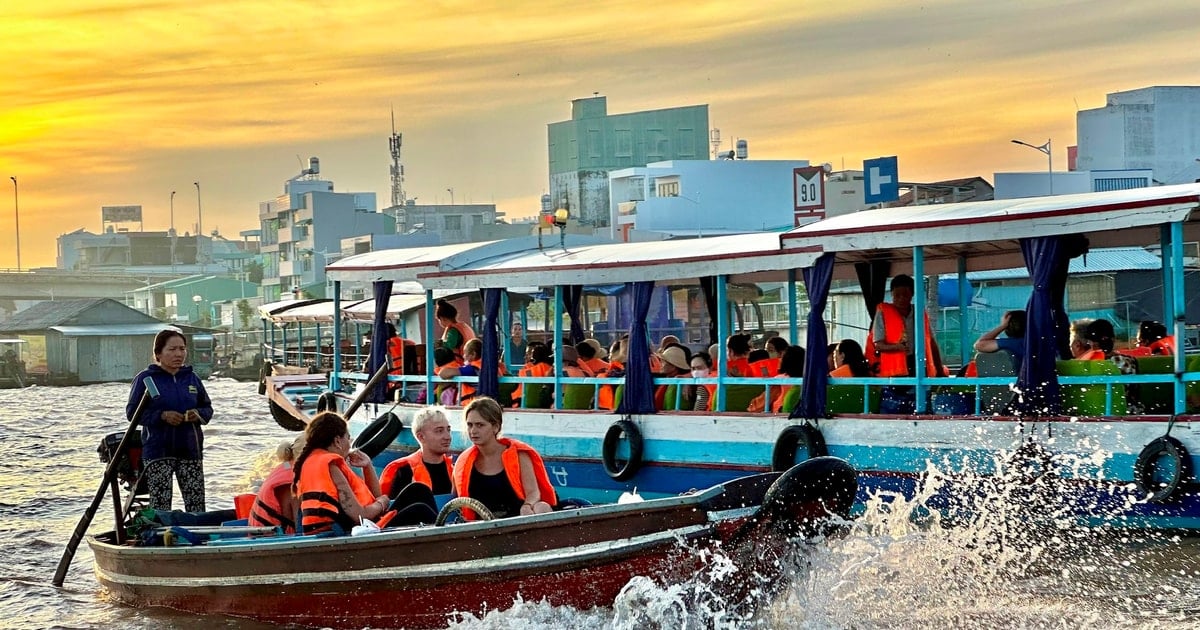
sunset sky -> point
(115, 102)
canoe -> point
(420, 577)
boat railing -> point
(412, 384)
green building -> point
(584, 149)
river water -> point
(885, 573)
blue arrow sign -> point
(881, 180)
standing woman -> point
(504, 474)
(172, 441)
(455, 333)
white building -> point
(702, 198)
(1156, 128)
(1020, 185)
(302, 232)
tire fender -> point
(612, 438)
(783, 456)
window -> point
(1086, 293)
(668, 189)
(453, 222)
(476, 219)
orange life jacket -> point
(895, 363)
(842, 371)
(712, 396)
(1093, 355)
(1166, 345)
(266, 511)
(512, 470)
(764, 367)
(607, 396)
(594, 365)
(739, 367)
(530, 369)
(420, 474)
(395, 348)
(464, 331)
(320, 506)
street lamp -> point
(1045, 148)
(451, 191)
(199, 226)
(172, 233)
(17, 213)
(197, 299)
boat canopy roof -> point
(311, 311)
(267, 310)
(756, 256)
(407, 264)
(986, 233)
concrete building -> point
(302, 231)
(451, 223)
(1018, 185)
(702, 198)
(190, 299)
(585, 148)
(1155, 128)
(152, 252)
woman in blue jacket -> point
(172, 442)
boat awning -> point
(115, 330)
(407, 264)
(986, 233)
(318, 311)
(601, 264)
(266, 310)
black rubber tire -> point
(327, 402)
(381, 432)
(612, 438)
(458, 504)
(783, 456)
(1144, 468)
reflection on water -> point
(992, 571)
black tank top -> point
(495, 492)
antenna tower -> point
(714, 138)
(397, 168)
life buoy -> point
(1161, 484)
(783, 456)
(378, 434)
(612, 438)
(327, 402)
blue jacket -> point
(177, 392)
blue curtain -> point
(708, 285)
(639, 384)
(572, 296)
(489, 376)
(816, 367)
(1047, 328)
(379, 340)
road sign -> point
(808, 194)
(882, 180)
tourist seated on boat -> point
(1152, 340)
(775, 347)
(506, 475)
(1092, 340)
(675, 364)
(455, 334)
(447, 366)
(1012, 324)
(792, 365)
(429, 465)
(540, 363)
(848, 360)
(666, 342)
(330, 493)
(762, 364)
(591, 357)
(701, 395)
(606, 399)
(570, 362)
(737, 349)
(275, 506)
(472, 351)
(829, 355)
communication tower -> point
(397, 168)
(714, 138)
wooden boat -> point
(419, 577)
(1104, 466)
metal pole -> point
(17, 214)
(1050, 164)
(919, 325)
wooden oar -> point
(379, 375)
(110, 473)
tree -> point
(245, 312)
(254, 272)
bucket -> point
(242, 504)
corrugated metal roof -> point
(43, 315)
(1105, 260)
(112, 330)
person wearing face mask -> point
(703, 395)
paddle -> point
(110, 473)
(379, 375)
